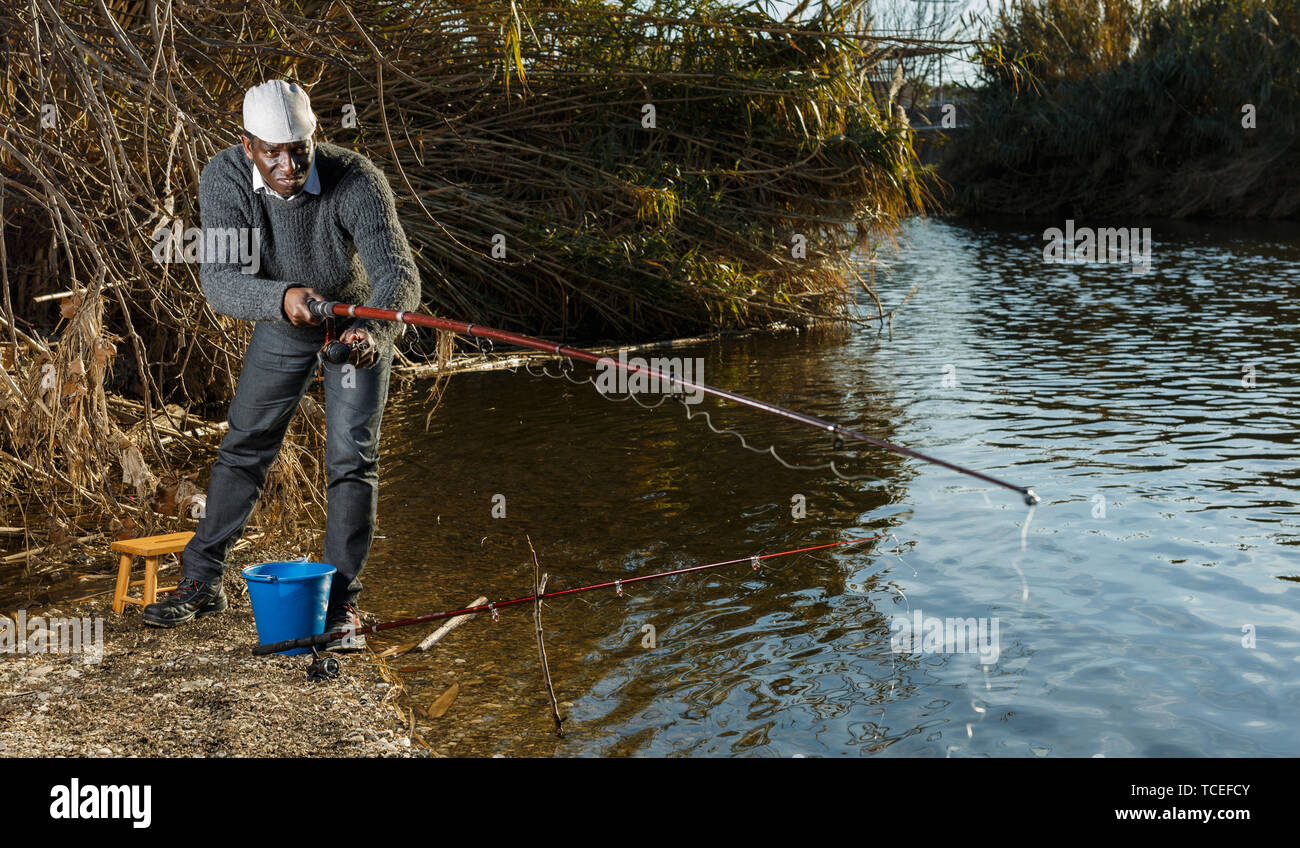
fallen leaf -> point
(397, 650)
(58, 534)
(129, 530)
(178, 496)
(165, 502)
(104, 350)
(443, 702)
(70, 306)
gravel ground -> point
(195, 691)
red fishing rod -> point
(617, 585)
(327, 309)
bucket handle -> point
(270, 578)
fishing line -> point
(326, 309)
(708, 420)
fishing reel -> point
(335, 351)
(321, 668)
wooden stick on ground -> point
(246, 542)
(539, 589)
(451, 624)
(33, 551)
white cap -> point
(278, 112)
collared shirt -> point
(312, 186)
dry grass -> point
(490, 119)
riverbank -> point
(195, 691)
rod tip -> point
(1031, 499)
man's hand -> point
(295, 306)
(364, 353)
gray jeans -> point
(277, 372)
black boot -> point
(346, 620)
(191, 600)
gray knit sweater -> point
(346, 242)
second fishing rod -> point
(617, 585)
(333, 309)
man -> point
(328, 230)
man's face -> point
(283, 166)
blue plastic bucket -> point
(289, 599)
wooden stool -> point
(151, 548)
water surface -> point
(1151, 607)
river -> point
(1149, 606)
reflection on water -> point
(1154, 413)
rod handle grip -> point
(290, 644)
(322, 308)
